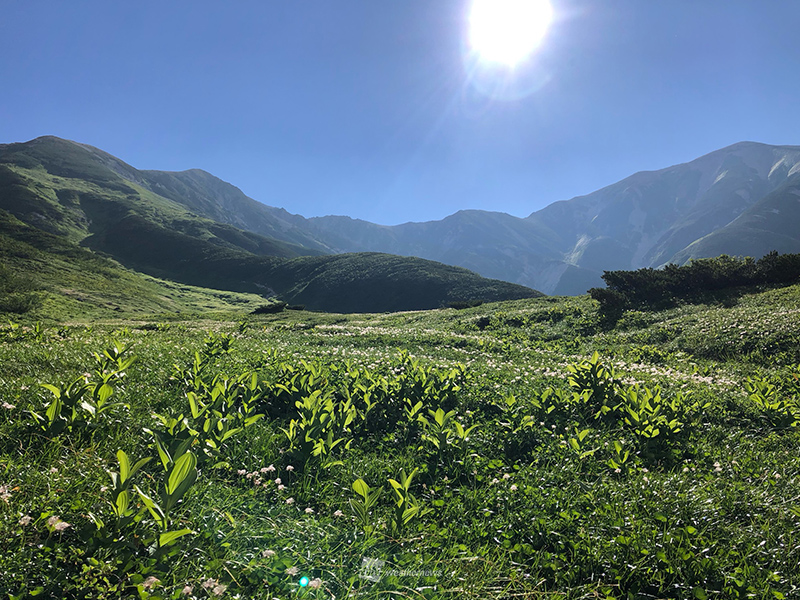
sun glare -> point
(507, 31)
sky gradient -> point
(377, 110)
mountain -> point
(183, 227)
(740, 200)
(650, 218)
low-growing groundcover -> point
(506, 450)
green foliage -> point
(269, 309)
(535, 458)
(322, 425)
(83, 402)
(407, 507)
(693, 282)
(780, 407)
(18, 294)
(365, 500)
(218, 410)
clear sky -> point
(378, 109)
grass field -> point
(510, 450)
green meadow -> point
(524, 449)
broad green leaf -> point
(359, 509)
(163, 453)
(229, 433)
(409, 514)
(54, 410)
(104, 392)
(52, 388)
(372, 499)
(250, 420)
(165, 539)
(182, 477)
(139, 464)
(124, 466)
(192, 397)
(155, 510)
(123, 499)
(361, 488)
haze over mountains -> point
(740, 200)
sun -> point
(507, 31)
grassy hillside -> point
(65, 281)
(482, 453)
(83, 195)
(77, 191)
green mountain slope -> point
(68, 189)
(68, 281)
(361, 282)
(81, 195)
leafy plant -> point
(363, 505)
(780, 410)
(322, 426)
(407, 507)
(178, 480)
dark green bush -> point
(696, 281)
(270, 309)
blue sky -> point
(373, 109)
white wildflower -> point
(219, 589)
(209, 583)
(61, 526)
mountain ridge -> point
(648, 219)
(180, 226)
